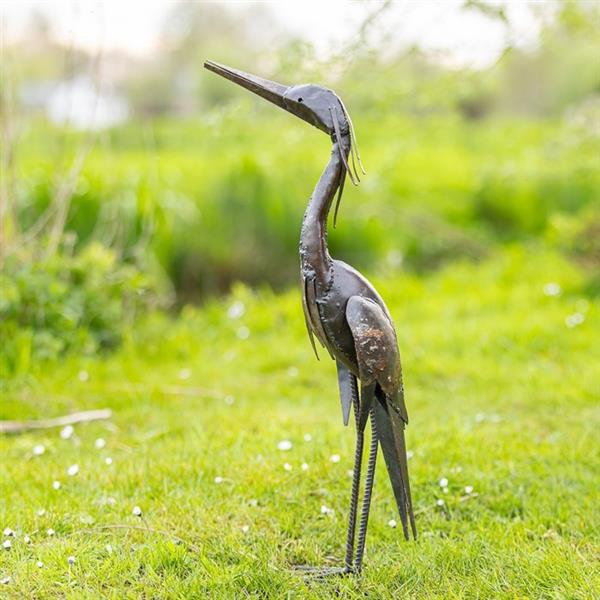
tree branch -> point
(80, 417)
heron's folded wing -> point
(311, 337)
(311, 313)
(376, 350)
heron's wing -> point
(376, 350)
(311, 313)
(311, 337)
(381, 388)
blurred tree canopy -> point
(192, 31)
(560, 70)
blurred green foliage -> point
(579, 238)
(80, 302)
(221, 199)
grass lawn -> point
(502, 393)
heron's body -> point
(327, 283)
(326, 309)
(344, 312)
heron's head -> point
(314, 104)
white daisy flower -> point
(39, 450)
(8, 532)
(184, 374)
(108, 548)
(304, 467)
(287, 466)
(284, 445)
(325, 510)
(7, 544)
(236, 310)
(552, 289)
(108, 460)
(574, 320)
(245, 528)
(66, 432)
(39, 564)
(27, 539)
(137, 511)
(443, 482)
(334, 458)
(73, 470)
(71, 560)
(243, 333)
(100, 443)
(307, 437)
(50, 532)
(83, 375)
(5, 580)
(56, 485)
(440, 502)
(219, 479)
(468, 489)
(392, 523)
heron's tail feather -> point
(390, 428)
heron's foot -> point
(310, 572)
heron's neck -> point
(314, 254)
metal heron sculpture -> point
(345, 313)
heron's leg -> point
(364, 517)
(322, 572)
(360, 438)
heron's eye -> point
(299, 99)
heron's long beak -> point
(269, 90)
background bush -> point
(218, 202)
(84, 302)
